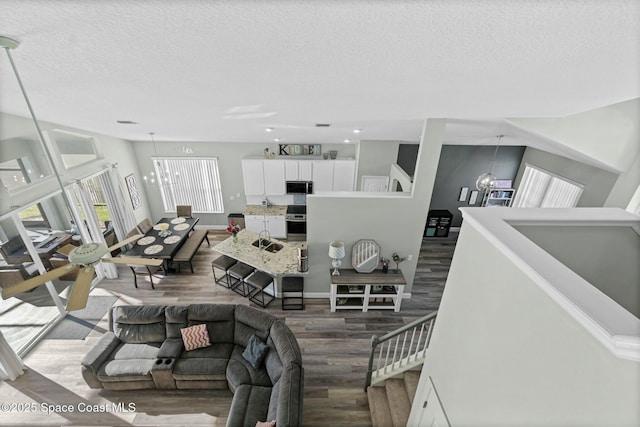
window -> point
(74, 149)
(542, 189)
(194, 182)
(34, 217)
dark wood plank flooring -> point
(334, 346)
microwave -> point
(299, 187)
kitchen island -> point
(281, 263)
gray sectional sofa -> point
(144, 349)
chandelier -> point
(485, 181)
(161, 175)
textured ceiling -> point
(226, 70)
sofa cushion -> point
(250, 321)
(219, 319)
(200, 369)
(214, 351)
(126, 370)
(255, 351)
(126, 351)
(139, 324)
(239, 372)
(176, 318)
(195, 336)
(250, 404)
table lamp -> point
(336, 252)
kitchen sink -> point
(274, 247)
(261, 242)
(268, 245)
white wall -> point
(609, 134)
(395, 222)
(504, 354)
(375, 158)
(229, 157)
(113, 150)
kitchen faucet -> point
(261, 239)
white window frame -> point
(540, 188)
(191, 181)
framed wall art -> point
(473, 198)
(462, 197)
(136, 200)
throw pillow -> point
(195, 336)
(266, 423)
(255, 351)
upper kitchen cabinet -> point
(344, 175)
(298, 170)
(322, 175)
(334, 175)
(274, 177)
(253, 174)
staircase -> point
(393, 373)
(390, 401)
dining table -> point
(164, 239)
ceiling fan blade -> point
(64, 250)
(124, 242)
(80, 292)
(134, 260)
(34, 282)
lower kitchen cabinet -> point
(364, 291)
(276, 225)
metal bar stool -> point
(223, 263)
(258, 281)
(236, 276)
(292, 296)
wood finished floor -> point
(334, 351)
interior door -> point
(375, 184)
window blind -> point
(188, 181)
(541, 189)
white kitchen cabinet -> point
(291, 170)
(298, 170)
(344, 175)
(276, 225)
(322, 175)
(254, 223)
(274, 177)
(305, 170)
(253, 174)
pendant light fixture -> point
(485, 181)
(158, 176)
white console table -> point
(364, 291)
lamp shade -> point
(336, 250)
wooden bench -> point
(190, 247)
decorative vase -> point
(235, 237)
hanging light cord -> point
(495, 153)
(37, 124)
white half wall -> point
(395, 221)
(504, 353)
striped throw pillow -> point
(195, 336)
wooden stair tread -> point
(398, 401)
(411, 380)
(379, 407)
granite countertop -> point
(285, 261)
(264, 210)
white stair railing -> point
(400, 350)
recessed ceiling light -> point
(276, 139)
(127, 122)
(357, 130)
(347, 140)
(268, 129)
